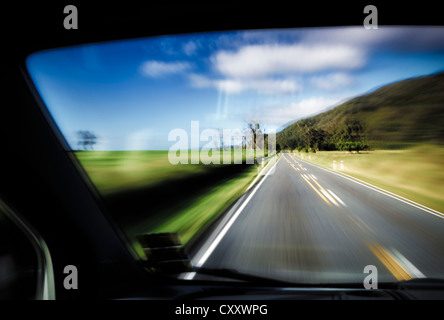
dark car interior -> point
(45, 199)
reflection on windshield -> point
(306, 155)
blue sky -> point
(131, 94)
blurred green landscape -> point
(116, 171)
(392, 137)
(395, 116)
(145, 193)
(415, 173)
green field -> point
(146, 193)
(115, 171)
(415, 173)
(186, 198)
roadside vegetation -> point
(415, 173)
(145, 193)
(395, 116)
(392, 137)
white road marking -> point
(260, 174)
(406, 264)
(213, 245)
(336, 197)
(385, 192)
(329, 197)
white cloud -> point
(332, 82)
(262, 86)
(230, 85)
(190, 47)
(284, 114)
(265, 60)
(155, 68)
(200, 81)
(236, 85)
(406, 38)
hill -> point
(396, 115)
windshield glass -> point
(307, 155)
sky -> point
(131, 94)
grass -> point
(416, 173)
(189, 221)
(117, 173)
(207, 207)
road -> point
(304, 224)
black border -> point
(30, 27)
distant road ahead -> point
(304, 224)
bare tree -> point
(255, 132)
(255, 138)
(87, 139)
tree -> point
(256, 138)
(255, 129)
(351, 136)
(255, 134)
(87, 139)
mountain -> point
(396, 115)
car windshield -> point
(300, 155)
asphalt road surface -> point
(304, 224)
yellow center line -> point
(389, 262)
(322, 189)
(288, 161)
(325, 192)
(397, 270)
(314, 188)
(297, 163)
